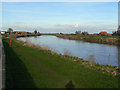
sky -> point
(56, 17)
(59, 0)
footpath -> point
(2, 66)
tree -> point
(35, 31)
(117, 33)
(10, 30)
(118, 28)
(61, 33)
(78, 32)
(114, 33)
(85, 33)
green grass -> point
(93, 38)
(28, 67)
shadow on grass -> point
(70, 86)
(17, 75)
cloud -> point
(60, 0)
(64, 28)
(76, 25)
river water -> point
(99, 53)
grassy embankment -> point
(34, 67)
(114, 40)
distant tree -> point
(35, 31)
(85, 33)
(78, 32)
(118, 28)
(116, 32)
(10, 30)
(61, 33)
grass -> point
(92, 38)
(14, 36)
(29, 67)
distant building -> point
(108, 34)
(95, 34)
(105, 34)
(20, 32)
(3, 32)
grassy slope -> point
(30, 67)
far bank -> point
(112, 40)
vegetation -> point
(34, 67)
(113, 40)
(14, 36)
(35, 31)
(92, 38)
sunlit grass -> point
(31, 66)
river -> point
(99, 53)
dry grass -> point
(30, 44)
(111, 70)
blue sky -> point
(66, 17)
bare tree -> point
(10, 30)
(78, 32)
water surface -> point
(99, 53)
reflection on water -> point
(100, 53)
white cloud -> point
(60, 0)
(64, 28)
(76, 25)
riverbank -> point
(46, 69)
(14, 36)
(112, 40)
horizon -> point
(64, 17)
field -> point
(29, 67)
